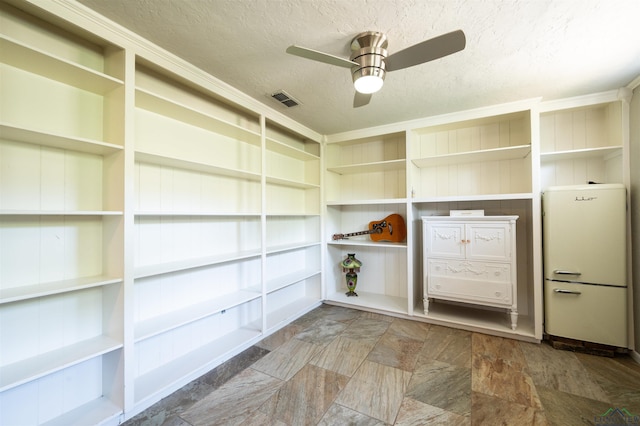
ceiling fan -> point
(369, 62)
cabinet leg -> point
(514, 319)
(426, 305)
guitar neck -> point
(355, 234)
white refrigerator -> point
(584, 247)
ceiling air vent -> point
(284, 98)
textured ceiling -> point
(515, 50)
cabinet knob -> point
(498, 294)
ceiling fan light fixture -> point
(368, 83)
(368, 75)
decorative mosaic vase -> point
(351, 266)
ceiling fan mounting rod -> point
(369, 39)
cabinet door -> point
(488, 241)
(445, 239)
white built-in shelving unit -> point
(581, 141)
(585, 140)
(487, 156)
(154, 222)
(497, 159)
(480, 159)
(365, 182)
(61, 225)
(292, 261)
(197, 275)
(149, 228)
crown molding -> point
(635, 83)
(436, 120)
(580, 101)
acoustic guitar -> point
(390, 229)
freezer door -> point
(584, 234)
(586, 312)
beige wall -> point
(635, 209)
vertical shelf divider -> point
(263, 222)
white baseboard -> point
(635, 355)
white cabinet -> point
(471, 260)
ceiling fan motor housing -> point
(369, 51)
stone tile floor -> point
(340, 366)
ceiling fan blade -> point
(426, 51)
(361, 99)
(319, 56)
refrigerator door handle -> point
(564, 272)
(563, 291)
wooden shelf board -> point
(339, 203)
(367, 243)
(199, 214)
(291, 311)
(35, 61)
(272, 180)
(290, 279)
(171, 320)
(291, 247)
(60, 213)
(601, 152)
(14, 294)
(380, 302)
(497, 322)
(291, 214)
(146, 157)
(201, 359)
(99, 411)
(72, 143)
(33, 368)
(181, 265)
(380, 166)
(288, 214)
(495, 154)
(482, 197)
(289, 151)
(167, 107)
